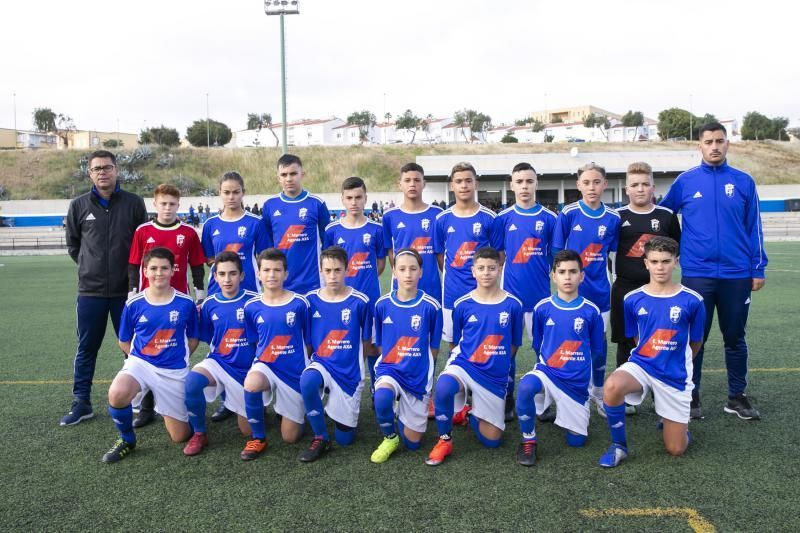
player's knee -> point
(613, 389)
(254, 382)
(345, 435)
(180, 433)
(446, 388)
(529, 386)
(676, 449)
(574, 440)
(291, 432)
(411, 444)
(384, 398)
(119, 396)
(195, 383)
(310, 381)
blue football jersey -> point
(222, 327)
(245, 236)
(592, 236)
(665, 325)
(458, 238)
(364, 246)
(527, 236)
(160, 333)
(567, 336)
(337, 331)
(402, 229)
(406, 332)
(485, 333)
(296, 227)
(280, 334)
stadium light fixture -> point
(281, 8)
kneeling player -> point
(230, 357)
(277, 324)
(487, 324)
(408, 331)
(341, 328)
(666, 320)
(567, 330)
(158, 333)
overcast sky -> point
(150, 62)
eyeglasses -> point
(98, 170)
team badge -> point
(674, 314)
(539, 226)
(476, 229)
(179, 240)
(345, 316)
(729, 190)
(416, 322)
(241, 231)
(601, 231)
(426, 224)
(303, 213)
(290, 318)
(503, 319)
(655, 224)
(366, 238)
(578, 325)
(240, 314)
(173, 317)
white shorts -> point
(339, 406)
(168, 386)
(570, 414)
(234, 391)
(447, 324)
(606, 320)
(671, 403)
(485, 405)
(528, 321)
(288, 402)
(413, 413)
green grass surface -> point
(739, 476)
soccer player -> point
(363, 241)
(640, 221)
(158, 333)
(722, 256)
(341, 329)
(408, 329)
(295, 220)
(277, 323)
(487, 326)
(666, 319)
(567, 337)
(527, 230)
(222, 326)
(591, 229)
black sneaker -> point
(740, 406)
(119, 451)
(526, 453)
(79, 412)
(510, 405)
(696, 409)
(145, 416)
(548, 416)
(318, 448)
(222, 413)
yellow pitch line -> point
(696, 521)
(52, 382)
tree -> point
(44, 119)
(203, 130)
(475, 120)
(364, 120)
(509, 139)
(113, 143)
(596, 121)
(523, 121)
(537, 126)
(756, 127)
(258, 122)
(410, 122)
(633, 119)
(161, 135)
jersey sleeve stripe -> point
(635, 291)
(541, 302)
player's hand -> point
(132, 293)
(758, 284)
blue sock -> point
(123, 419)
(444, 397)
(475, 424)
(616, 423)
(599, 365)
(384, 411)
(254, 407)
(344, 435)
(196, 400)
(529, 386)
(310, 385)
(371, 360)
(512, 376)
(574, 440)
(409, 444)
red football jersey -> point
(180, 238)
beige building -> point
(571, 114)
(10, 138)
(89, 139)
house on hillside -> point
(306, 132)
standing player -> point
(222, 326)
(487, 325)
(567, 337)
(341, 320)
(640, 221)
(157, 334)
(295, 220)
(591, 229)
(527, 230)
(408, 329)
(277, 323)
(666, 320)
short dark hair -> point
(409, 251)
(272, 254)
(288, 159)
(159, 252)
(487, 252)
(412, 167)
(462, 167)
(103, 154)
(335, 253)
(519, 167)
(711, 126)
(232, 176)
(229, 257)
(564, 256)
(660, 243)
(353, 182)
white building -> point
(307, 132)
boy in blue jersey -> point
(158, 332)
(591, 229)
(340, 331)
(487, 324)
(295, 220)
(527, 229)
(277, 325)
(567, 337)
(408, 329)
(363, 241)
(666, 320)
(222, 326)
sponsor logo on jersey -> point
(358, 261)
(512, 227)
(231, 339)
(659, 341)
(472, 318)
(346, 313)
(729, 190)
(275, 348)
(302, 213)
(240, 314)
(577, 325)
(464, 254)
(290, 318)
(591, 253)
(527, 249)
(601, 231)
(539, 226)
(292, 235)
(489, 346)
(160, 341)
(401, 348)
(655, 224)
(142, 319)
(426, 224)
(577, 228)
(90, 217)
(180, 239)
(388, 320)
(564, 354)
(416, 322)
(697, 195)
(503, 319)
(150, 240)
(233, 247)
(674, 314)
(241, 231)
(366, 238)
(637, 250)
(174, 316)
(333, 341)
(400, 225)
(476, 228)
(642, 311)
(626, 224)
(420, 244)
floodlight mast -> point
(281, 8)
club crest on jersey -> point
(539, 226)
(476, 228)
(503, 319)
(655, 224)
(578, 325)
(366, 238)
(426, 224)
(173, 317)
(416, 322)
(729, 190)
(601, 231)
(290, 318)
(240, 314)
(241, 231)
(303, 213)
(179, 240)
(674, 314)
(345, 316)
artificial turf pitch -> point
(736, 476)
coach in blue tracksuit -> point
(722, 255)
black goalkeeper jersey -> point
(635, 230)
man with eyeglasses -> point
(100, 226)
